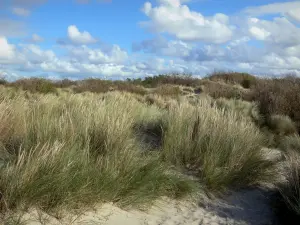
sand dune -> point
(243, 207)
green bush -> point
(281, 125)
(278, 96)
(222, 90)
(172, 79)
(35, 85)
(244, 79)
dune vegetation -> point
(73, 144)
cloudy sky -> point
(116, 39)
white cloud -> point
(186, 41)
(35, 54)
(59, 66)
(20, 11)
(171, 17)
(7, 51)
(98, 56)
(294, 14)
(78, 37)
(259, 33)
(280, 7)
(287, 9)
(161, 46)
(292, 51)
(279, 30)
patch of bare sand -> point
(243, 207)
(250, 206)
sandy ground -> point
(243, 207)
(250, 206)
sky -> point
(118, 39)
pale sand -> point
(244, 207)
(251, 206)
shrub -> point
(219, 147)
(244, 79)
(167, 90)
(222, 90)
(278, 96)
(35, 85)
(93, 85)
(3, 82)
(173, 79)
(127, 87)
(65, 83)
(103, 86)
(281, 125)
(290, 143)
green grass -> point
(290, 190)
(223, 149)
(75, 151)
(281, 125)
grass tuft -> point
(223, 150)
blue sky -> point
(118, 39)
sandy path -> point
(244, 207)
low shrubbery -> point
(35, 85)
(174, 79)
(168, 90)
(244, 79)
(278, 96)
(222, 90)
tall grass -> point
(223, 150)
(288, 201)
(74, 150)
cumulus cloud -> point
(7, 51)
(174, 18)
(294, 14)
(161, 46)
(85, 54)
(277, 31)
(20, 11)
(280, 7)
(186, 41)
(259, 33)
(35, 54)
(109, 61)
(78, 37)
(289, 9)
